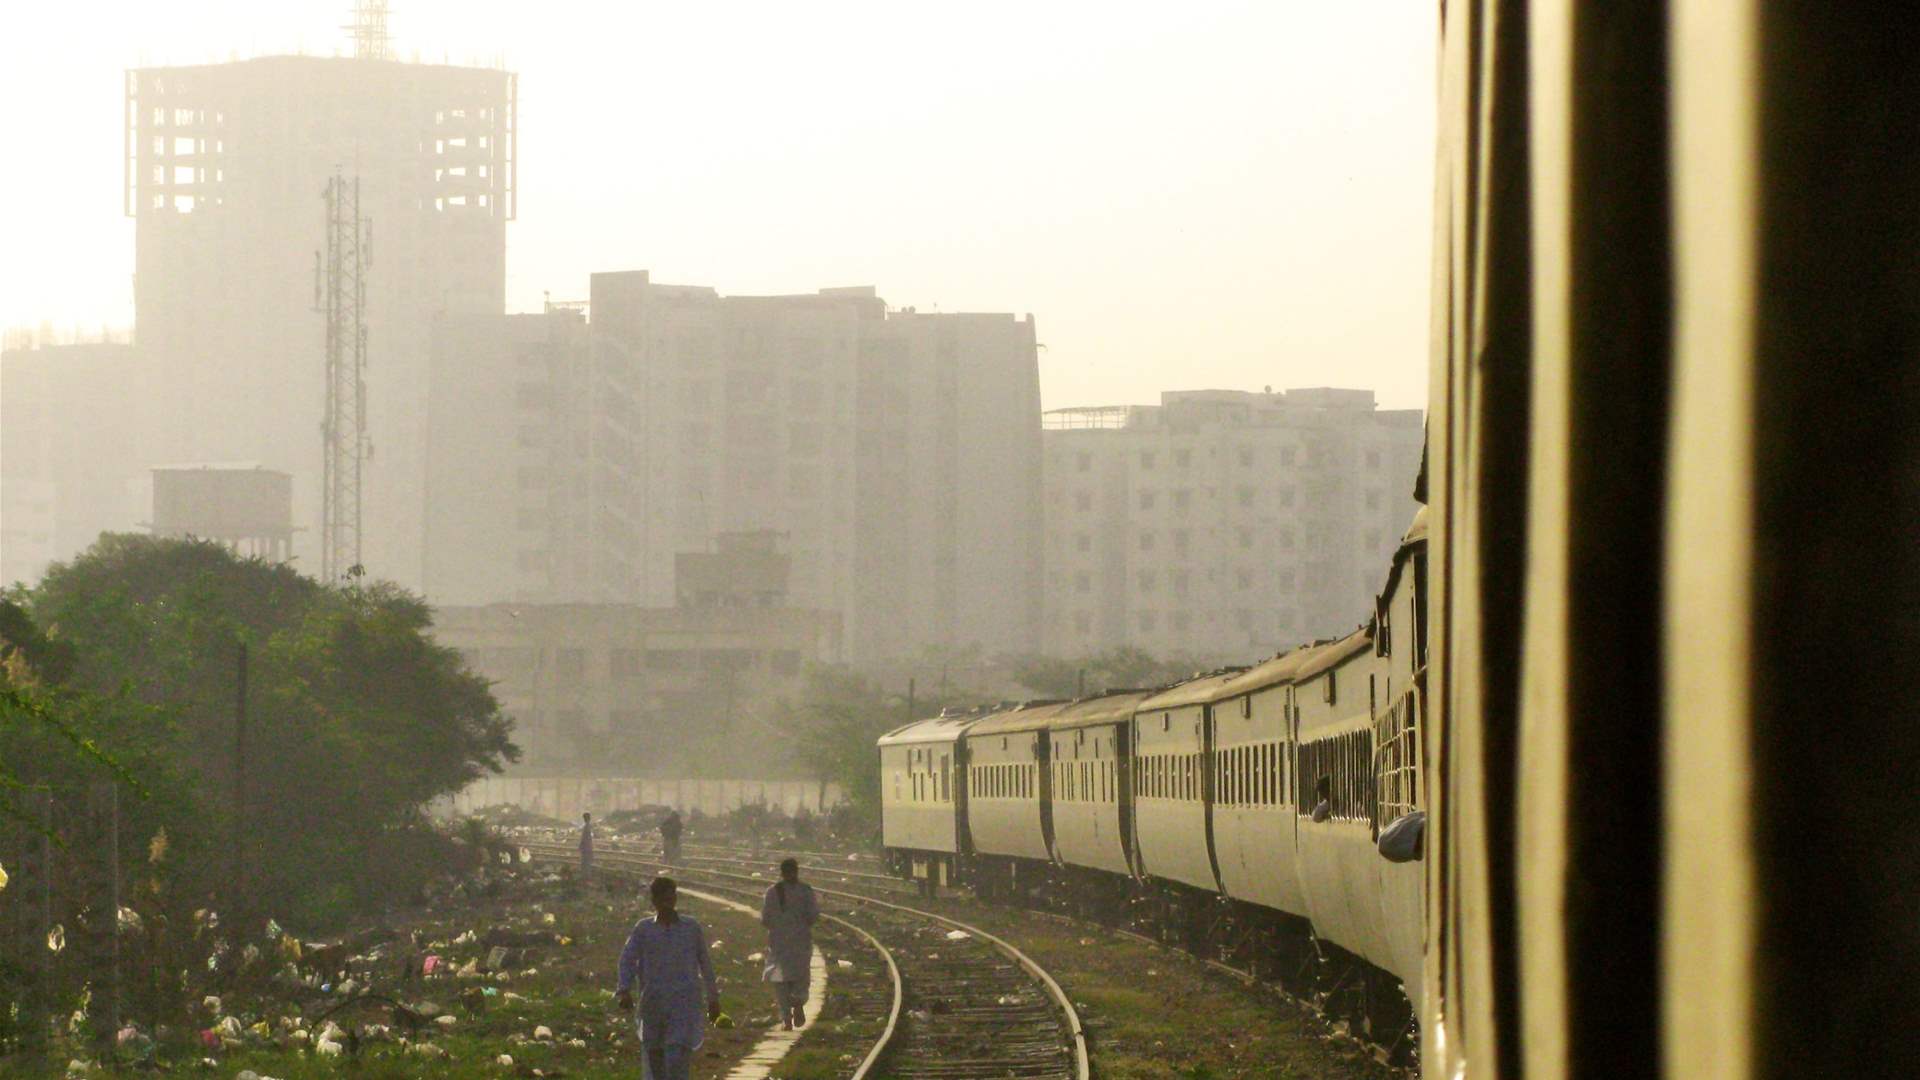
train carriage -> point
(1333, 698)
(1253, 820)
(922, 808)
(1091, 748)
(1006, 792)
(1172, 841)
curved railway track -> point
(966, 1003)
(826, 863)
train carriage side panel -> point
(1089, 766)
(1007, 758)
(1399, 750)
(1172, 839)
(1253, 820)
(921, 808)
(1341, 870)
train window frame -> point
(1246, 707)
(1329, 690)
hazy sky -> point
(1208, 194)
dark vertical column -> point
(1619, 372)
(1836, 764)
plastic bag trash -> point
(547, 919)
(229, 1027)
(844, 963)
(129, 920)
(56, 938)
(3, 877)
(76, 1067)
(327, 1048)
(716, 944)
(581, 1044)
(497, 957)
(543, 1032)
(445, 1021)
(958, 935)
(1403, 840)
(754, 958)
(466, 938)
(431, 964)
(246, 1074)
(526, 856)
(349, 986)
(504, 1061)
(211, 1003)
(506, 858)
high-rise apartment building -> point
(1222, 525)
(75, 433)
(226, 165)
(896, 456)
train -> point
(1248, 813)
(1657, 705)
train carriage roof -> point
(1027, 716)
(934, 729)
(1327, 657)
(1114, 706)
(1200, 690)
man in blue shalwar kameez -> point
(667, 956)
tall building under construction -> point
(226, 166)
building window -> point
(1082, 542)
(1146, 581)
(1082, 622)
(1146, 459)
(1082, 583)
(571, 664)
(1083, 500)
(1246, 496)
(1180, 579)
(1146, 620)
(624, 663)
(1286, 455)
(1246, 456)
(1181, 620)
(1286, 539)
(1246, 538)
(1180, 541)
(1146, 500)
(1182, 499)
(1243, 579)
(1183, 458)
(1146, 541)
(1082, 462)
(1373, 500)
(1286, 496)
(1373, 459)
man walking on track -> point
(670, 837)
(666, 956)
(586, 847)
(789, 912)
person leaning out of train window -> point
(1323, 792)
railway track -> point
(967, 1003)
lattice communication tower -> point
(340, 293)
(369, 30)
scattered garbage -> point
(56, 938)
(958, 935)
(3, 875)
(844, 963)
(504, 1060)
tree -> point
(1126, 667)
(355, 717)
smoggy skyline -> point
(1234, 195)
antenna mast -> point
(343, 292)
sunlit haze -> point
(1208, 195)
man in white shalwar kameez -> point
(789, 912)
(667, 956)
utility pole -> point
(340, 293)
(240, 774)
